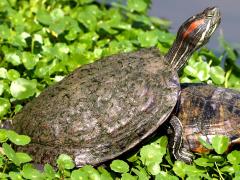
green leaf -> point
(4, 106)
(29, 60)
(228, 169)
(3, 135)
(3, 176)
(57, 14)
(164, 175)
(204, 162)
(220, 143)
(44, 17)
(151, 154)
(217, 74)
(137, 5)
(179, 168)
(234, 157)
(141, 173)
(92, 173)
(154, 168)
(49, 171)
(22, 88)
(65, 162)
(12, 74)
(127, 176)
(10, 153)
(79, 175)
(18, 108)
(23, 157)
(15, 175)
(29, 172)
(104, 173)
(18, 139)
(5, 31)
(148, 39)
(3, 73)
(13, 58)
(88, 20)
(119, 166)
(205, 143)
(203, 70)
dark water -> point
(179, 10)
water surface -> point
(177, 11)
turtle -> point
(104, 109)
(204, 111)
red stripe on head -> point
(192, 27)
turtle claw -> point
(176, 141)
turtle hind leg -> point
(176, 141)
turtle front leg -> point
(176, 141)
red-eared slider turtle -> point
(204, 111)
(104, 109)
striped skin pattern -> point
(206, 111)
(193, 33)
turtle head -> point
(193, 33)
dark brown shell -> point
(206, 111)
(101, 110)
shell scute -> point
(206, 111)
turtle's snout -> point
(214, 14)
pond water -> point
(178, 11)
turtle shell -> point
(101, 110)
(205, 111)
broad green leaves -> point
(18, 139)
(22, 88)
(65, 162)
(137, 5)
(220, 143)
(4, 106)
(119, 166)
(41, 42)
